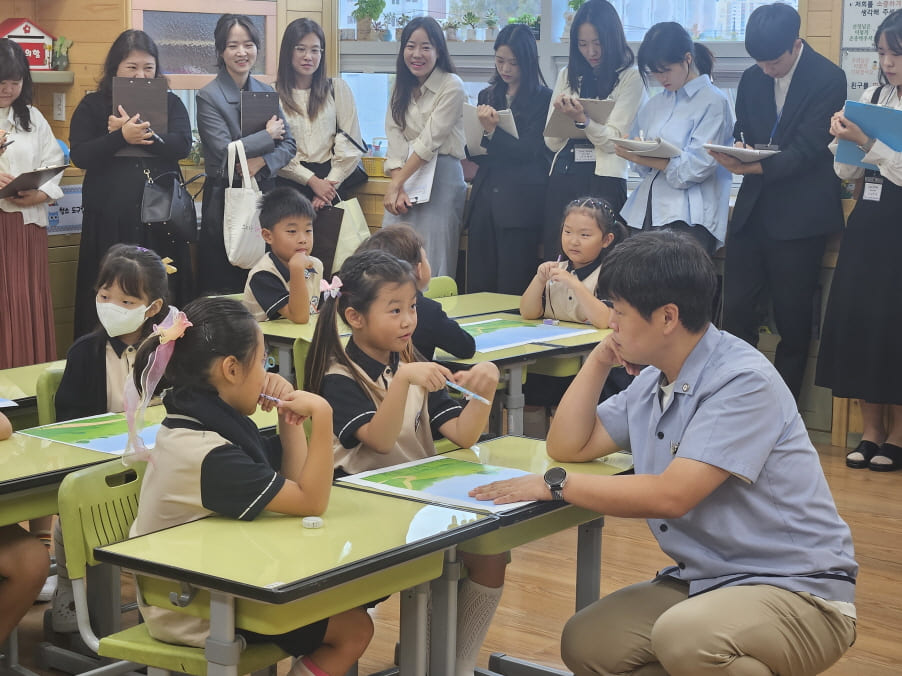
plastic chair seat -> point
(441, 287)
(557, 367)
(136, 645)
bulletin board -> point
(860, 20)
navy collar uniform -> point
(266, 290)
(435, 329)
(352, 407)
(773, 521)
(558, 300)
(96, 368)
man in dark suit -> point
(789, 202)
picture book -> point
(107, 433)
(500, 334)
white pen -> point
(641, 134)
(274, 400)
(468, 393)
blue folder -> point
(875, 121)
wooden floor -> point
(538, 597)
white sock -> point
(298, 669)
(476, 606)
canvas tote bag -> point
(241, 217)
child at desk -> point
(434, 327)
(23, 566)
(209, 458)
(388, 405)
(285, 281)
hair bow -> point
(332, 289)
(172, 328)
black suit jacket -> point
(436, 329)
(797, 196)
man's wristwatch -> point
(555, 478)
(867, 145)
(579, 125)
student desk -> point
(470, 304)
(513, 361)
(20, 385)
(271, 575)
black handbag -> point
(359, 175)
(168, 203)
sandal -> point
(861, 456)
(892, 453)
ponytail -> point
(704, 59)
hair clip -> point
(332, 289)
(172, 330)
(167, 265)
(142, 249)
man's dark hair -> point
(652, 269)
(771, 31)
(284, 202)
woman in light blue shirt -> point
(690, 191)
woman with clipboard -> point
(268, 148)
(26, 142)
(114, 180)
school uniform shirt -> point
(317, 139)
(352, 407)
(559, 301)
(94, 379)
(32, 149)
(436, 329)
(434, 122)
(208, 459)
(628, 94)
(266, 289)
(694, 188)
(773, 521)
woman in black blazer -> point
(507, 200)
(218, 123)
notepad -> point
(257, 108)
(656, 147)
(31, 180)
(561, 126)
(741, 154)
(875, 121)
(419, 186)
(473, 128)
(145, 97)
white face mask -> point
(118, 320)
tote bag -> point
(354, 230)
(244, 244)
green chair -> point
(47, 385)
(97, 507)
(441, 287)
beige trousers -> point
(655, 629)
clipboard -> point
(257, 108)
(31, 180)
(419, 186)
(473, 129)
(561, 126)
(657, 147)
(145, 97)
(875, 121)
(741, 154)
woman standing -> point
(601, 67)
(219, 123)
(860, 356)
(691, 191)
(317, 110)
(26, 323)
(113, 185)
(508, 195)
(425, 119)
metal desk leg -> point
(588, 563)
(9, 659)
(443, 625)
(412, 660)
(514, 400)
(222, 649)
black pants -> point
(759, 269)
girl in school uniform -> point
(388, 404)
(600, 67)
(317, 109)
(859, 354)
(27, 334)
(507, 199)
(691, 191)
(425, 120)
(209, 458)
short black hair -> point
(224, 26)
(652, 269)
(281, 203)
(771, 31)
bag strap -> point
(237, 147)
(362, 148)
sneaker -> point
(63, 619)
(48, 589)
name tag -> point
(873, 188)
(584, 154)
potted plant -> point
(491, 25)
(531, 20)
(451, 24)
(365, 12)
(403, 20)
(471, 19)
(382, 28)
(572, 8)
(389, 21)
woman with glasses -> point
(320, 113)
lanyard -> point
(773, 131)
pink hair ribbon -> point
(333, 289)
(171, 329)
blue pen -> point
(466, 392)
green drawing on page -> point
(107, 433)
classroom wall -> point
(822, 25)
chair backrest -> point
(45, 389)
(441, 287)
(97, 506)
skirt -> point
(27, 331)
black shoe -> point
(891, 452)
(868, 449)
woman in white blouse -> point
(600, 67)
(26, 322)
(317, 109)
(860, 356)
(425, 119)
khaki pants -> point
(655, 629)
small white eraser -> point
(312, 522)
